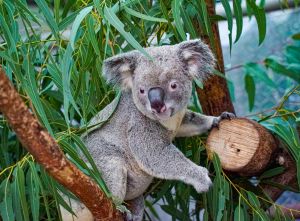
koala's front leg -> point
(195, 124)
(136, 207)
(159, 158)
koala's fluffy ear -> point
(119, 69)
(197, 58)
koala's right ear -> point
(197, 57)
(119, 69)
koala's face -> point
(161, 87)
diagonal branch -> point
(47, 152)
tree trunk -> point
(214, 97)
(47, 153)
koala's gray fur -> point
(135, 145)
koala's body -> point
(135, 145)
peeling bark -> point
(214, 97)
(47, 153)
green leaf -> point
(292, 54)
(188, 23)
(66, 78)
(112, 18)
(198, 83)
(32, 180)
(25, 9)
(253, 199)
(7, 34)
(20, 185)
(296, 36)
(250, 88)
(238, 14)
(228, 13)
(91, 34)
(151, 209)
(56, 10)
(143, 16)
(6, 206)
(175, 213)
(176, 5)
(30, 87)
(239, 214)
(291, 71)
(77, 23)
(217, 164)
(49, 17)
(68, 20)
(207, 24)
(260, 16)
(272, 172)
(257, 72)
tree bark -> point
(288, 178)
(47, 153)
(214, 97)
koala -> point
(135, 145)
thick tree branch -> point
(214, 97)
(47, 152)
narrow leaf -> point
(250, 88)
(112, 18)
(48, 15)
(238, 14)
(260, 16)
(291, 71)
(176, 5)
(77, 23)
(143, 16)
(228, 13)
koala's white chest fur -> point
(174, 122)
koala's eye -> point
(173, 86)
(142, 91)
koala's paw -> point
(204, 183)
(224, 115)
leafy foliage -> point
(53, 54)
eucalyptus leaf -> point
(250, 88)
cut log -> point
(243, 145)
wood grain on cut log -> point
(47, 152)
(243, 145)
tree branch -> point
(214, 97)
(47, 153)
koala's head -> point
(161, 87)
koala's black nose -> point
(156, 98)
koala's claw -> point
(227, 115)
(224, 115)
(205, 183)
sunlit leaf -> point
(143, 16)
(112, 18)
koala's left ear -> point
(119, 69)
(197, 57)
